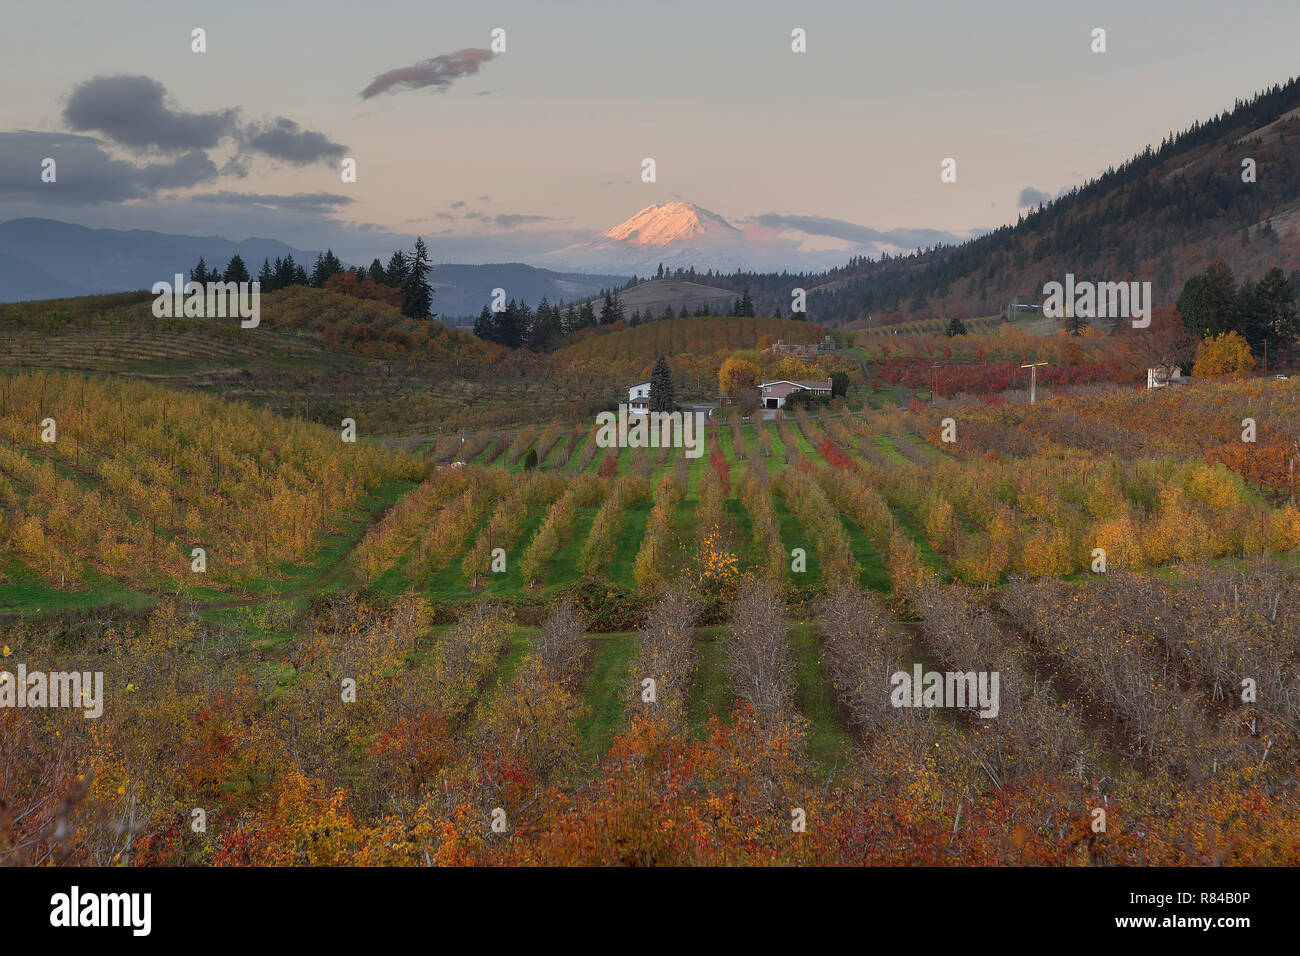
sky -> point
(501, 156)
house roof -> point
(639, 384)
(825, 383)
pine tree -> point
(955, 327)
(607, 312)
(395, 274)
(484, 327)
(236, 271)
(200, 273)
(662, 397)
(376, 273)
(266, 278)
(417, 294)
(282, 270)
(746, 305)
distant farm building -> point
(1162, 376)
(774, 394)
(806, 349)
(638, 399)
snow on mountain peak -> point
(671, 222)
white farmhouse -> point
(638, 399)
(1162, 376)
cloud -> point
(86, 173)
(852, 232)
(299, 202)
(458, 204)
(286, 140)
(133, 111)
(1033, 197)
(510, 220)
(437, 72)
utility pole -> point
(1033, 380)
(934, 392)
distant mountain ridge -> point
(48, 259)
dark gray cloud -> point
(1033, 197)
(285, 140)
(438, 72)
(458, 204)
(852, 232)
(134, 111)
(510, 220)
(299, 202)
(85, 173)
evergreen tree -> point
(746, 304)
(1208, 301)
(300, 276)
(586, 316)
(395, 274)
(417, 294)
(484, 327)
(955, 327)
(570, 321)
(236, 271)
(282, 270)
(668, 312)
(326, 265)
(1276, 308)
(265, 278)
(200, 273)
(376, 273)
(618, 308)
(607, 312)
(662, 397)
(660, 273)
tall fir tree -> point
(236, 271)
(662, 397)
(395, 274)
(417, 294)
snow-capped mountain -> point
(673, 222)
(675, 234)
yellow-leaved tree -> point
(1224, 354)
(737, 377)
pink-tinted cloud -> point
(438, 72)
